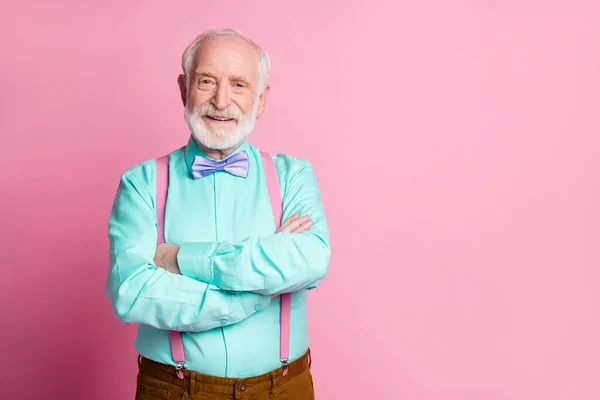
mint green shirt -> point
(231, 261)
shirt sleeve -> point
(141, 293)
(280, 263)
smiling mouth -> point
(219, 119)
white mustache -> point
(210, 111)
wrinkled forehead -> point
(227, 56)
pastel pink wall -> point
(458, 145)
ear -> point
(182, 88)
(262, 101)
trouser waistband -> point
(195, 382)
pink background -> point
(458, 145)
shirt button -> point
(257, 307)
(242, 387)
(224, 321)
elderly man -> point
(214, 247)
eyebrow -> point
(204, 73)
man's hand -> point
(296, 224)
(166, 258)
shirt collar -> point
(192, 150)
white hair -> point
(264, 61)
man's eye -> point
(205, 82)
(239, 85)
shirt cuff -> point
(194, 261)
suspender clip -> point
(178, 369)
(285, 365)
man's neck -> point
(217, 154)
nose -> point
(221, 98)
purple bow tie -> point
(237, 165)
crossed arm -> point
(219, 283)
(166, 254)
(294, 258)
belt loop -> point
(192, 385)
(139, 360)
(309, 359)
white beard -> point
(216, 138)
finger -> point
(294, 224)
(304, 226)
(291, 219)
(159, 255)
(288, 221)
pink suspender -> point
(285, 298)
(162, 186)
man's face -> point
(222, 98)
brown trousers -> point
(159, 381)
